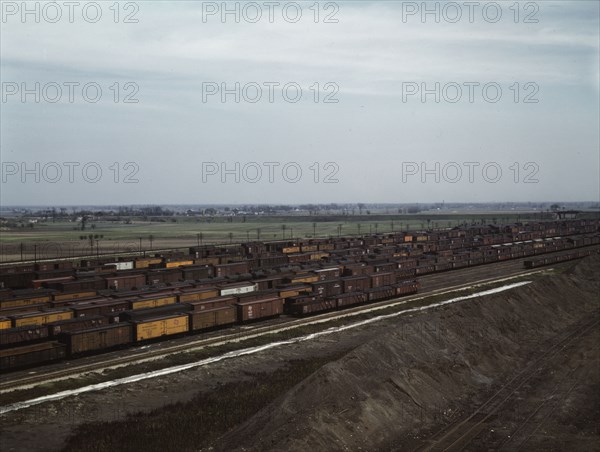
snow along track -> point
(247, 351)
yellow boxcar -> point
(197, 296)
(74, 295)
(178, 263)
(291, 249)
(307, 248)
(408, 238)
(288, 293)
(305, 279)
(165, 326)
(42, 318)
(145, 263)
(17, 303)
(5, 323)
(318, 256)
(153, 302)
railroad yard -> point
(98, 340)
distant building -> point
(566, 214)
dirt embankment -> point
(400, 389)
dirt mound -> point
(424, 372)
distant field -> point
(63, 239)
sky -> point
(299, 102)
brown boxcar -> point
(161, 311)
(105, 307)
(407, 287)
(328, 273)
(31, 355)
(105, 337)
(76, 324)
(154, 327)
(170, 275)
(310, 306)
(231, 269)
(380, 293)
(212, 303)
(212, 318)
(350, 299)
(125, 282)
(328, 288)
(355, 283)
(11, 336)
(382, 279)
(257, 309)
(197, 272)
(7, 312)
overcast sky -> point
(361, 131)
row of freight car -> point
(77, 336)
(226, 261)
(88, 284)
(549, 260)
(322, 283)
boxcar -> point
(350, 299)
(152, 301)
(41, 318)
(198, 294)
(154, 327)
(355, 283)
(29, 355)
(21, 302)
(101, 338)
(74, 295)
(76, 324)
(104, 307)
(380, 293)
(5, 323)
(161, 311)
(211, 318)
(258, 309)
(310, 306)
(11, 336)
(212, 303)
(406, 287)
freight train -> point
(106, 303)
(550, 260)
(36, 340)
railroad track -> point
(437, 284)
(458, 435)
